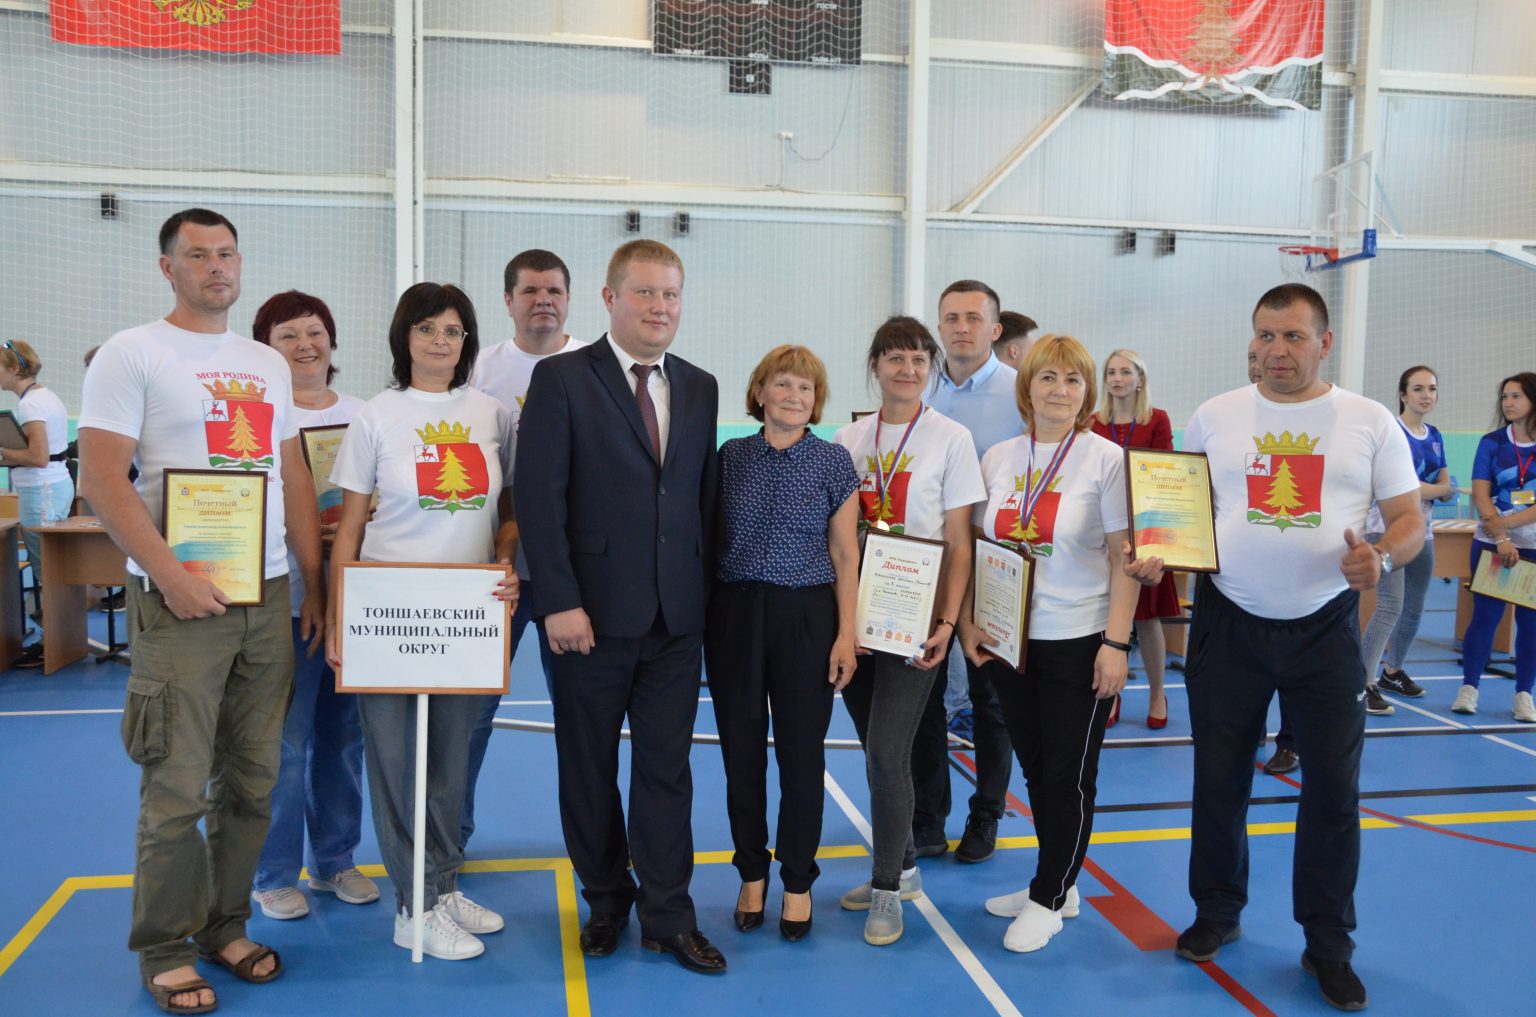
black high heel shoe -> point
(746, 921)
(792, 930)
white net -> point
(542, 123)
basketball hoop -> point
(1301, 258)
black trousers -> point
(769, 646)
(1057, 728)
(930, 753)
(654, 679)
(1237, 662)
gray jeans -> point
(389, 744)
(1399, 606)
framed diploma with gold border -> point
(1004, 583)
(1516, 585)
(320, 446)
(216, 525)
(1171, 509)
(898, 592)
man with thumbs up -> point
(1295, 463)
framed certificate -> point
(320, 447)
(216, 524)
(1516, 585)
(423, 628)
(11, 434)
(1005, 581)
(1171, 511)
(898, 592)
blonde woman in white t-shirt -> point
(43, 488)
(1059, 493)
(918, 477)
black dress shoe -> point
(692, 951)
(600, 936)
(792, 930)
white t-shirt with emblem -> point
(503, 372)
(340, 412)
(937, 471)
(438, 461)
(1289, 479)
(1066, 531)
(195, 401)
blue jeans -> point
(41, 506)
(480, 734)
(1477, 641)
(320, 782)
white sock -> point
(909, 873)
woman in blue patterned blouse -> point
(780, 627)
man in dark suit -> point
(614, 489)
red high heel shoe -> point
(1114, 714)
(1158, 723)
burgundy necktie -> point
(646, 407)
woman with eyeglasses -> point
(439, 456)
(39, 477)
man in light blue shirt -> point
(977, 390)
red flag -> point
(1215, 51)
(227, 26)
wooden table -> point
(12, 623)
(76, 553)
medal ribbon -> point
(1524, 464)
(883, 479)
(1032, 493)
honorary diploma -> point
(216, 524)
(320, 447)
(1171, 513)
(898, 590)
(1516, 585)
(1000, 604)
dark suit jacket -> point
(603, 525)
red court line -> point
(1137, 922)
(1405, 821)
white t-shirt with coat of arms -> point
(438, 461)
(195, 401)
(1289, 479)
(936, 471)
(1065, 532)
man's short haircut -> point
(904, 333)
(533, 260)
(90, 354)
(788, 359)
(1281, 297)
(197, 217)
(640, 250)
(1015, 326)
(427, 300)
(286, 306)
(1061, 351)
(974, 286)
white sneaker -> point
(469, 916)
(1010, 904)
(442, 938)
(858, 899)
(284, 903)
(349, 886)
(1525, 710)
(1466, 700)
(1032, 929)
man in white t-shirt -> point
(211, 680)
(976, 390)
(1295, 463)
(537, 291)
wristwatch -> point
(1386, 562)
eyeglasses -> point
(450, 333)
(17, 353)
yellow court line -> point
(578, 1002)
(1456, 818)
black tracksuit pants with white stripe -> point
(1057, 728)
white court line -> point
(947, 934)
(546, 702)
(1456, 723)
(54, 713)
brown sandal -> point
(242, 968)
(163, 994)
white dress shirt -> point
(658, 386)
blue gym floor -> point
(1444, 907)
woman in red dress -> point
(1127, 418)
